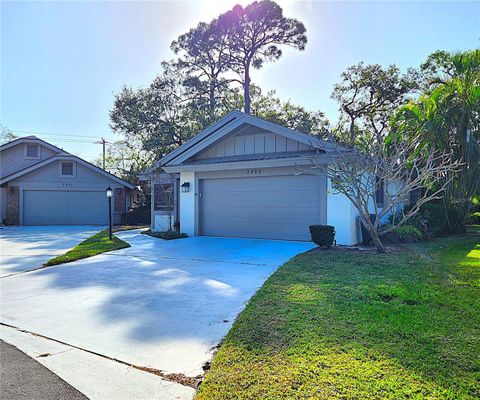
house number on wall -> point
(254, 171)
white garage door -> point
(48, 207)
(278, 207)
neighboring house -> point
(42, 184)
(240, 178)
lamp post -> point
(109, 196)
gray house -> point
(41, 184)
(239, 178)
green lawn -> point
(337, 325)
(97, 244)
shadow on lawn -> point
(362, 326)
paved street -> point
(22, 378)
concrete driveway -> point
(158, 304)
(26, 247)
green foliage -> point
(475, 218)
(368, 96)
(406, 231)
(322, 235)
(446, 118)
(255, 35)
(6, 135)
(166, 235)
(344, 325)
(97, 244)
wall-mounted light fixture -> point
(185, 187)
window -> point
(67, 168)
(415, 195)
(163, 196)
(32, 151)
(380, 193)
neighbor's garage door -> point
(50, 207)
(279, 207)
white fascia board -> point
(208, 141)
(254, 121)
(199, 137)
(290, 162)
(65, 157)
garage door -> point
(279, 207)
(64, 208)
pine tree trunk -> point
(246, 90)
(212, 99)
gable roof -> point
(31, 139)
(62, 155)
(226, 125)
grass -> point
(340, 325)
(97, 244)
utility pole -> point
(103, 142)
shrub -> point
(403, 233)
(406, 232)
(166, 235)
(475, 218)
(322, 235)
(140, 215)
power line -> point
(54, 134)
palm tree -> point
(447, 116)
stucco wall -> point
(341, 214)
(188, 204)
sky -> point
(62, 62)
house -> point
(42, 184)
(240, 178)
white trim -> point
(25, 151)
(218, 131)
(277, 162)
(197, 138)
(65, 157)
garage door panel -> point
(278, 207)
(51, 207)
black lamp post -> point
(109, 196)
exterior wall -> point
(189, 204)
(13, 159)
(13, 205)
(342, 214)
(252, 142)
(345, 217)
(48, 178)
(3, 204)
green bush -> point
(405, 232)
(166, 235)
(475, 218)
(322, 235)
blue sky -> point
(62, 62)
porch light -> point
(109, 192)
(185, 187)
